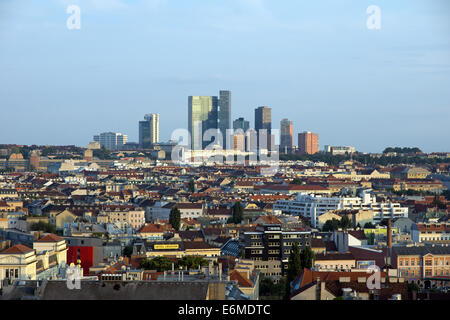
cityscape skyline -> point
(354, 86)
(239, 152)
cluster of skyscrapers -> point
(209, 121)
(206, 113)
(209, 113)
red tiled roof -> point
(50, 238)
(242, 281)
(358, 234)
(270, 219)
(153, 228)
(17, 249)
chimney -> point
(389, 235)
(318, 288)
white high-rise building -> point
(111, 140)
(149, 130)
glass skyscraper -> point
(287, 135)
(202, 115)
(224, 114)
(263, 121)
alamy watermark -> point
(374, 20)
(74, 20)
(73, 276)
(374, 281)
(237, 148)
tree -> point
(369, 225)
(346, 223)
(294, 268)
(43, 226)
(159, 264)
(128, 251)
(175, 218)
(371, 238)
(192, 262)
(412, 286)
(238, 213)
(307, 258)
(191, 186)
(446, 194)
(297, 181)
(438, 203)
(331, 225)
(102, 154)
(266, 287)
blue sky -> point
(314, 62)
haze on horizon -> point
(314, 63)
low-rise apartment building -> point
(430, 232)
(128, 218)
(312, 206)
(419, 263)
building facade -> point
(270, 247)
(308, 143)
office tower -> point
(286, 135)
(149, 131)
(263, 121)
(224, 114)
(240, 123)
(202, 116)
(308, 143)
(111, 140)
(239, 142)
(154, 127)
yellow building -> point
(409, 173)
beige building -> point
(360, 217)
(271, 268)
(409, 173)
(123, 219)
(335, 261)
(60, 218)
(53, 244)
(17, 263)
(358, 176)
